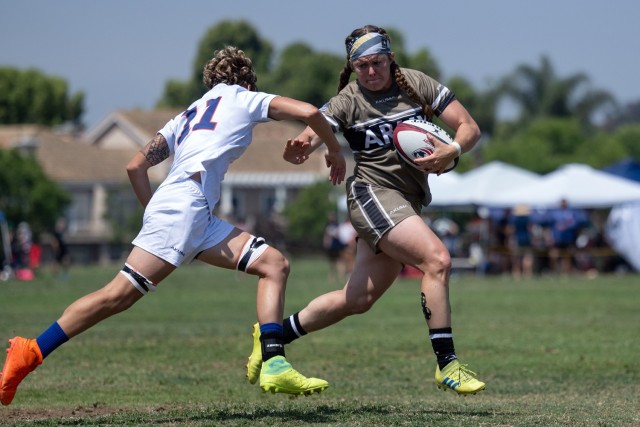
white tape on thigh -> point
(254, 247)
(140, 282)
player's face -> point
(373, 72)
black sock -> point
(442, 343)
(272, 345)
(291, 329)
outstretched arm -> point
(152, 154)
(282, 108)
(299, 149)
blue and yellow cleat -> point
(458, 378)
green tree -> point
(539, 92)
(481, 105)
(234, 33)
(628, 136)
(29, 96)
(423, 61)
(599, 150)
(548, 143)
(304, 74)
(27, 194)
(307, 214)
(397, 46)
(626, 114)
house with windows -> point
(92, 168)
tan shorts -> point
(375, 210)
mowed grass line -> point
(553, 351)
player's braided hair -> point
(230, 66)
(398, 76)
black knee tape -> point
(140, 282)
(425, 309)
(251, 252)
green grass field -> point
(553, 352)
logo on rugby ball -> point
(422, 152)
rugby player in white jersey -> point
(179, 225)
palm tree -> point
(539, 93)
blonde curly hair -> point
(230, 66)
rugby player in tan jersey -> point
(386, 197)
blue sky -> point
(121, 52)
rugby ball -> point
(410, 140)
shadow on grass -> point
(342, 413)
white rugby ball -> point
(410, 140)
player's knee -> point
(113, 299)
(273, 264)
(360, 305)
(438, 264)
(257, 257)
(282, 265)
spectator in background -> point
(564, 232)
(60, 249)
(347, 235)
(449, 233)
(498, 258)
(35, 254)
(21, 246)
(520, 242)
(332, 246)
(476, 232)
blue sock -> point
(52, 338)
(270, 327)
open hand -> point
(335, 160)
(440, 159)
(296, 151)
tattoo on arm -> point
(156, 150)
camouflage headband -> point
(368, 44)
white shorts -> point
(178, 224)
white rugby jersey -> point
(213, 132)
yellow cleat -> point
(458, 378)
(277, 376)
(255, 360)
(23, 356)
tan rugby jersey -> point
(367, 120)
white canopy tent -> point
(580, 185)
(623, 231)
(440, 185)
(478, 185)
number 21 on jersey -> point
(206, 121)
